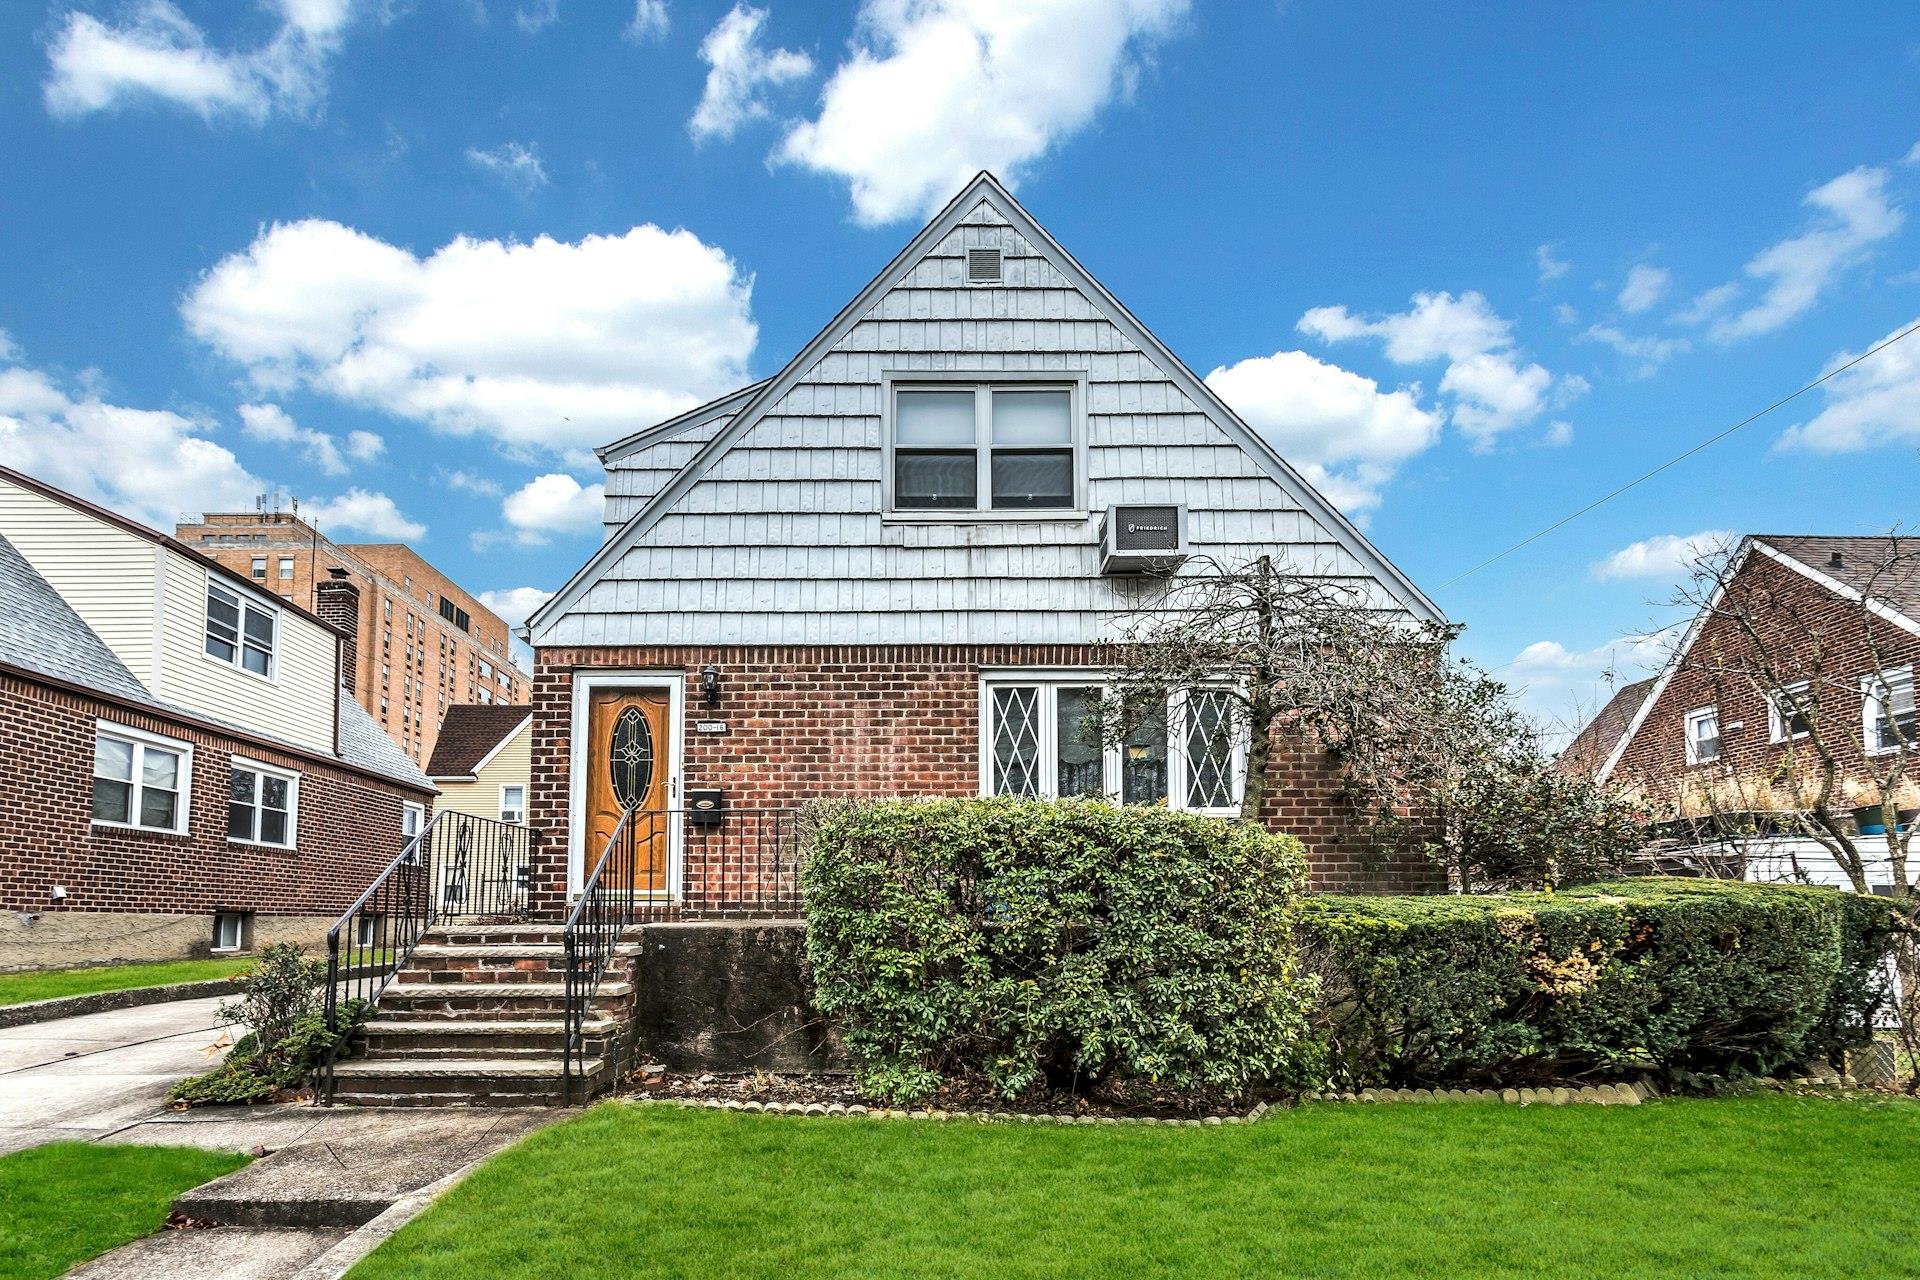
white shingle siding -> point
(782, 541)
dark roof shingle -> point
(1591, 747)
(468, 733)
(1887, 567)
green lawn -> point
(69, 1201)
(1763, 1186)
(18, 988)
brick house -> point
(1805, 647)
(424, 643)
(895, 568)
(187, 769)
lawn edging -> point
(31, 1011)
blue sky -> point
(1469, 265)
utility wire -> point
(1679, 458)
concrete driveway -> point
(87, 1077)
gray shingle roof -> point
(40, 632)
(1885, 567)
(1593, 746)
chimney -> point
(337, 601)
(1836, 561)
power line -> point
(1679, 458)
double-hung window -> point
(1040, 740)
(1006, 446)
(1703, 735)
(240, 629)
(1887, 711)
(1790, 711)
(139, 780)
(261, 804)
(513, 804)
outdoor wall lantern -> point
(710, 684)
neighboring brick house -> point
(1798, 627)
(425, 644)
(186, 770)
(882, 570)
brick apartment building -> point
(424, 644)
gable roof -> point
(470, 734)
(1594, 744)
(984, 187)
(41, 635)
(698, 416)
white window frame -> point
(244, 601)
(1873, 692)
(982, 385)
(259, 770)
(239, 942)
(1777, 715)
(1692, 718)
(519, 811)
(141, 740)
(1050, 681)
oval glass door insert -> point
(630, 758)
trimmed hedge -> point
(1685, 976)
(1074, 943)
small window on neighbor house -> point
(240, 630)
(229, 931)
(983, 266)
(1790, 711)
(286, 568)
(1007, 448)
(260, 568)
(137, 782)
(366, 931)
(1888, 711)
(1703, 735)
(513, 804)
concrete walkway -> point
(84, 1078)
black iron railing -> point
(459, 865)
(666, 865)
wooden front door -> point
(629, 751)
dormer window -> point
(1008, 446)
(240, 630)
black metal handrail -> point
(669, 864)
(458, 865)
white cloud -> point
(738, 71)
(555, 503)
(472, 482)
(271, 423)
(1647, 353)
(1666, 557)
(1558, 434)
(537, 15)
(1339, 428)
(1550, 267)
(649, 21)
(1852, 214)
(516, 165)
(364, 446)
(547, 345)
(1564, 314)
(935, 90)
(1561, 688)
(515, 604)
(156, 53)
(1645, 286)
(373, 514)
(1877, 402)
(1491, 389)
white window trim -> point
(1052, 679)
(1686, 732)
(292, 779)
(1075, 384)
(1870, 698)
(141, 738)
(240, 932)
(1776, 720)
(247, 597)
(521, 787)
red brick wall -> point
(806, 722)
(348, 825)
(1813, 633)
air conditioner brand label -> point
(1149, 528)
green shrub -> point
(1076, 944)
(1686, 976)
(287, 1035)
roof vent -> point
(983, 266)
(1836, 561)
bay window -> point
(1039, 739)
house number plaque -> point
(709, 726)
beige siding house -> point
(482, 761)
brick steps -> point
(476, 1017)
